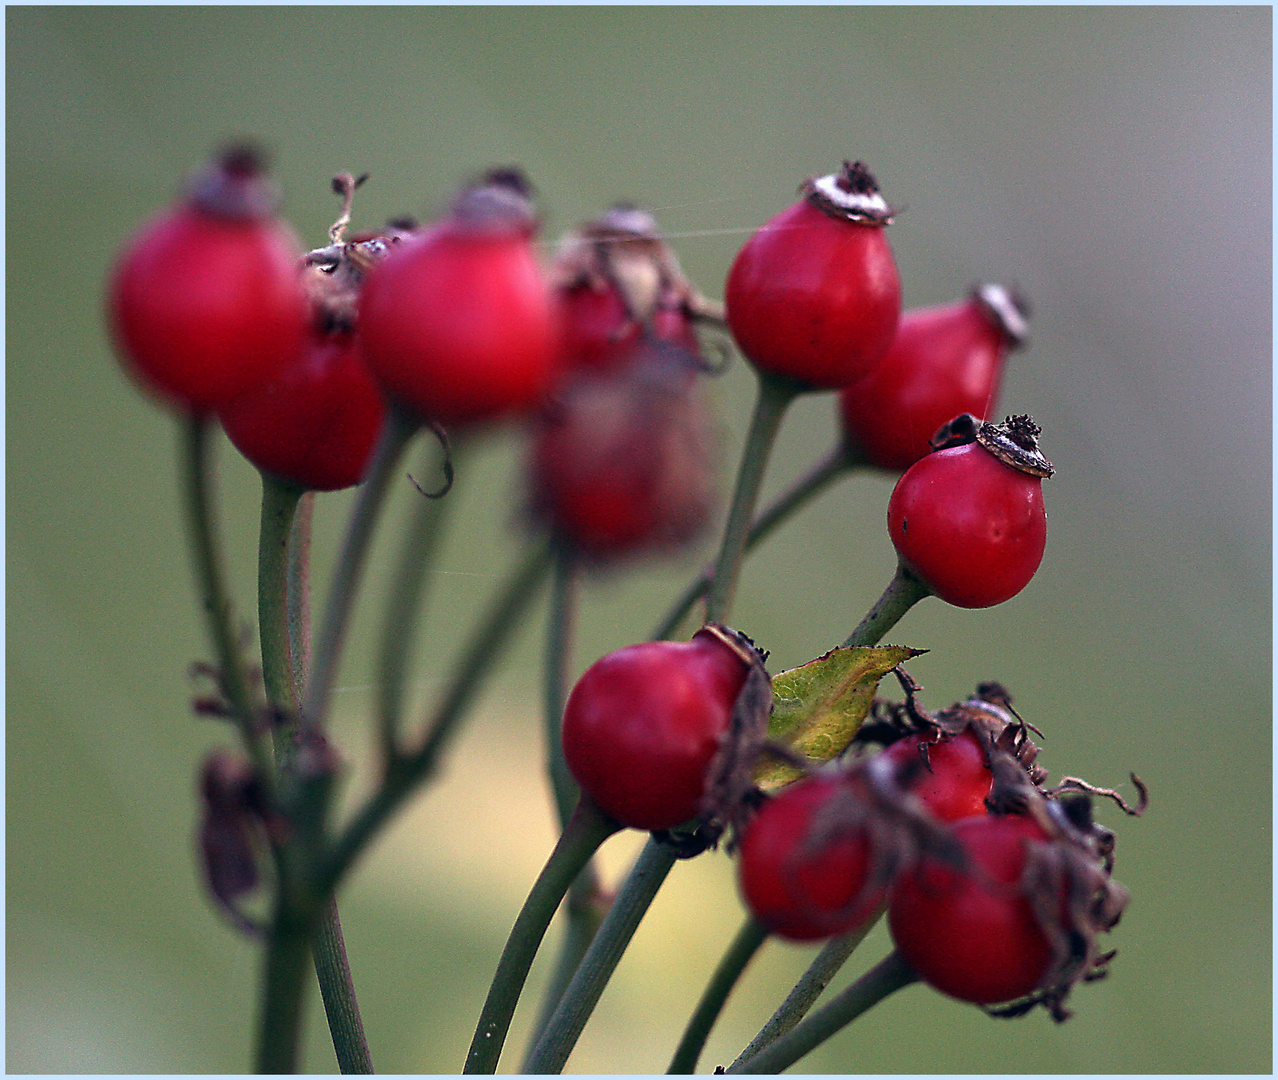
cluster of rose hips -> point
(995, 887)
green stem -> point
(396, 432)
(284, 987)
(903, 592)
(559, 633)
(788, 503)
(586, 829)
(486, 644)
(774, 398)
(890, 975)
(601, 959)
(748, 941)
(280, 571)
(279, 505)
(405, 604)
(299, 593)
(582, 914)
(810, 986)
(210, 582)
(338, 991)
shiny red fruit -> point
(458, 323)
(206, 300)
(944, 361)
(318, 422)
(642, 726)
(805, 863)
(970, 526)
(955, 778)
(972, 933)
(814, 295)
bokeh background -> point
(1116, 163)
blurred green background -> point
(1116, 163)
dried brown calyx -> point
(335, 273)
(1008, 309)
(234, 186)
(1014, 442)
(500, 201)
(851, 194)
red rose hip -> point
(814, 295)
(642, 726)
(945, 360)
(206, 301)
(458, 323)
(968, 520)
(317, 423)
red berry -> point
(457, 322)
(955, 778)
(618, 281)
(806, 862)
(206, 301)
(623, 462)
(814, 294)
(972, 933)
(969, 524)
(642, 726)
(945, 361)
(318, 422)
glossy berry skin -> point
(971, 527)
(643, 723)
(317, 423)
(814, 298)
(204, 308)
(944, 361)
(801, 874)
(971, 933)
(955, 781)
(459, 326)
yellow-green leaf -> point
(818, 708)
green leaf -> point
(818, 708)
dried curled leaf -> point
(818, 708)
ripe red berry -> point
(970, 524)
(814, 294)
(955, 778)
(458, 323)
(642, 726)
(623, 462)
(945, 361)
(618, 281)
(206, 301)
(317, 423)
(806, 865)
(972, 932)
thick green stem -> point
(338, 991)
(780, 510)
(810, 986)
(214, 599)
(284, 987)
(281, 571)
(396, 432)
(903, 592)
(748, 941)
(774, 398)
(486, 645)
(404, 607)
(279, 505)
(889, 976)
(601, 959)
(586, 829)
(584, 912)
